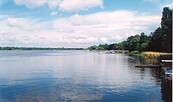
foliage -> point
(133, 43)
(143, 42)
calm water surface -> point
(77, 76)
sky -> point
(76, 23)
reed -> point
(152, 57)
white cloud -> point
(38, 3)
(76, 5)
(16, 22)
(64, 5)
(104, 40)
(31, 3)
(54, 13)
(53, 3)
(23, 24)
(76, 30)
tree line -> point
(37, 48)
(160, 40)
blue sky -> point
(76, 23)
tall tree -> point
(161, 38)
(166, 25)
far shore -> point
(38, 48)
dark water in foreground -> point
(77, 76)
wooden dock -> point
(147, 66)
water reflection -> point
(76, 76)
(166, 89)
(160, 80)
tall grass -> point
(152, 57)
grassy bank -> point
(148, 56)
(120, 51)
(113, 51)
(151, 55)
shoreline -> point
(38, 48)
(147, 57)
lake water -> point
(78, 76)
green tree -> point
(92, 47)
(143, 42)
(166, 24)
(133, 43)
(103, 47)
(112, 47)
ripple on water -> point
(74, 77)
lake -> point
(78, 76)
